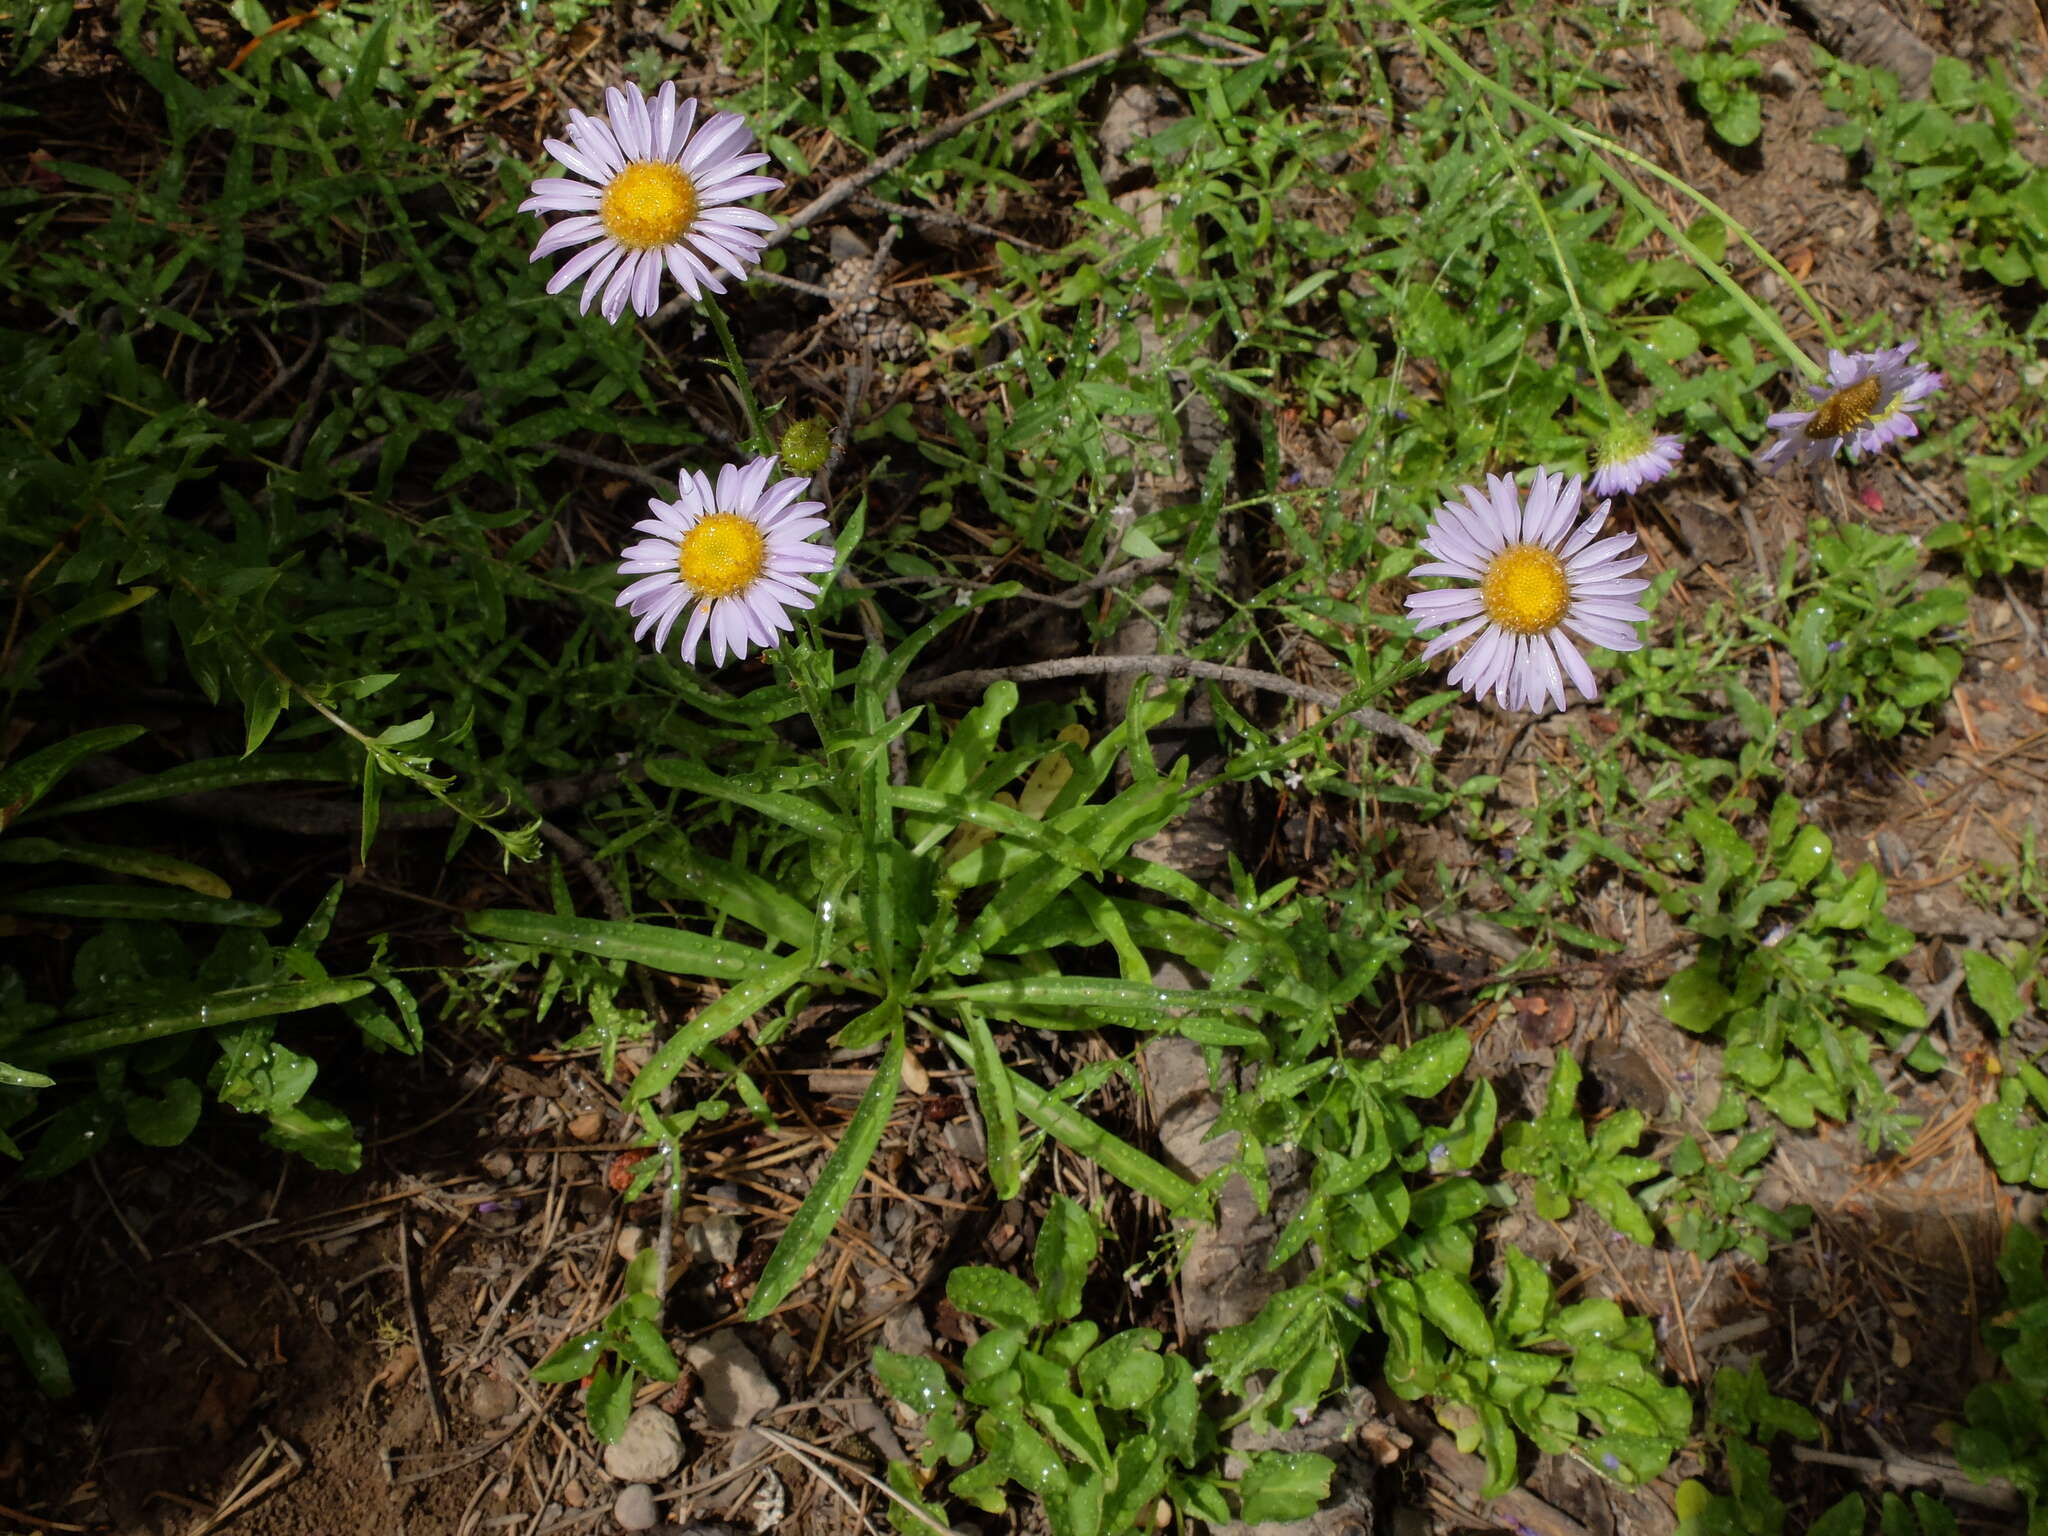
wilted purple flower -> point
(1867, 404)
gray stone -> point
(491, 1399)
(648, 1451)
(635, 1509)
(737, 1389)
(714, 1240)
(905, 1332)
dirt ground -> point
(271, 1351)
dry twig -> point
(852, 182)
(416, 1315)
(1377, 721)
(1899, 1470)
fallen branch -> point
(1374, 720)
(1898, 1470)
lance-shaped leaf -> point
(820, 1212)
(133, 1026)
(677, 951)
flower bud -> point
(805, 446)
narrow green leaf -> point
(141, 863)
(141, 902)
(677, 951)
(806, 816)
(33, 1337)
(992, 1090)
(22, 785)
(205, 776)
(1104, 836)
(736, 892)
(951, 810)
(98, 608)
(133, 1026)
(715, 1020)
(1114, 1156)
(820, 1212)
(1153, 1004)
(966, 751)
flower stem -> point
(1601, 147)
(762, 442)
(1564, 268)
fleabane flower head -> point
(1629, 456)
(1867, 404)
(657, 191)
(1532, 573)
(737, 555)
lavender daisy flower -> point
(739, 551)
(1534, 575)
(1629, 456)
(654, 194)
(1867, 404)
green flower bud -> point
(805, 446)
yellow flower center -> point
(649, 203)
(1846, 409)
(722, 556)
(1525, 590)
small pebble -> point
(491, 1399)
(905, 1332)
(635, 1508)
(630, 1241)
(649, 1449)
(586, 1125)
(737, 1390)
(499, 1165)
(715, 1240)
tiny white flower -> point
(654, 194)
(736, 554)
(1534, 574)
